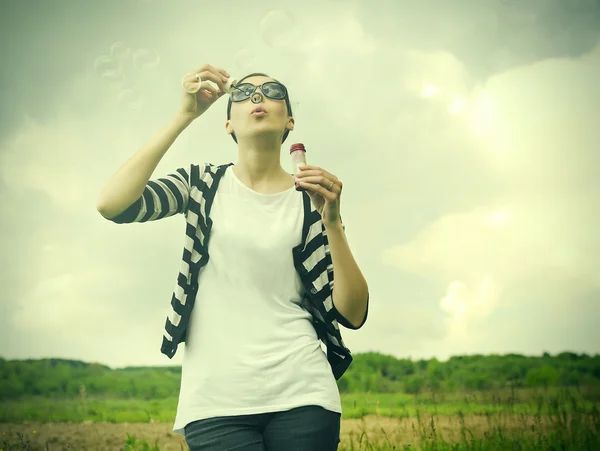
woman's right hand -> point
(193, 105)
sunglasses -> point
(271, 89)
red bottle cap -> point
(297, 146)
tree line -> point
(369, 372)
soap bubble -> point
(131, 99)
(120, 51)
(189, 82)
(278, 29)
(244, 59)
(144, 59)
(108, 69)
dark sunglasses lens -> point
(274, 90)
(242, 92)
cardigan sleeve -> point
(161, 198)
(330, 274)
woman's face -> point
(245, 124)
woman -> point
(254, 375)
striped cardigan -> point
(191, 192)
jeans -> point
(307, 428)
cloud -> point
(463, 245)
(440, 69)
(467, 307)
(55, 156)
(540, 225)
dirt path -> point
(109, 436)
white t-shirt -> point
(250, 347)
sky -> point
(465, 134)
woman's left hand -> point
(326, 201)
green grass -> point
(354, 405)
(557, 419)
(95, 409)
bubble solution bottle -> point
(298, 154)
(231, 82)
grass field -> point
(557, 419)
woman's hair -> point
(287, 101)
